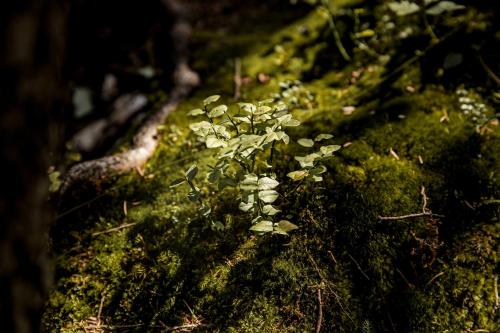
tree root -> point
(144, 142)
(146, 139)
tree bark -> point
(32, 47)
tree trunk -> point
(32, 47)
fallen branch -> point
(146, 140)
(102, 130)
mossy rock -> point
(165, 266)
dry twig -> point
(237, 78)
(114, 229)
(319, 320)
(425, 211)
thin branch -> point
(424, 200)
(488, 70)
(319, 320)
(359, 267)
(100, 308)
(496, 292)
(434, 278)
(409, 216)
(114, 229)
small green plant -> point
(311, 165)
(295, 95)
(246, 143)
(424, 8)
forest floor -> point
(416, 122)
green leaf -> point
(246, 206)
(211, 99)
(194, 195)
(218, 226)
(328, 150)
(55, 181)
(291, 123)
(177, 182)
(403, 8)
(286, 226)
(214, 175)
(305, 142)
(248, 107)
(217, 111)
(205, 210)
(266, 183)
(270, 210)
(323, 137)
(298, 175)
(317, 178)
(268, 196)
(283, 137)
(265, 101)
(308, 160)
(242, 118)
(195, 112)
(318, 170)
(263, 226)
(192, 171)
(202, 128)
(365, 33)
(249, 182)
(263, 109)
(226, 182)
(442, 7)
(213, 142)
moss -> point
(168, 267)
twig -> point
(100, 310)
(488, 70)
(410, 285)
(114, 229)
(237, 78)
(496, 291)
(359, 267)
(434, 278)
(322, 283)
(424, 200)
(320, 311)
(425, 211)
(331, 256)
(409, 216)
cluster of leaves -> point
(431, 7)
(246, 141)
(295, 95)
(311, 164)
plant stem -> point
(211, 122)
(195, 190)
(251, 124)
(335, 32)
(428, 27)
(272, 153)
(232, 122)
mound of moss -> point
(138, 257)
